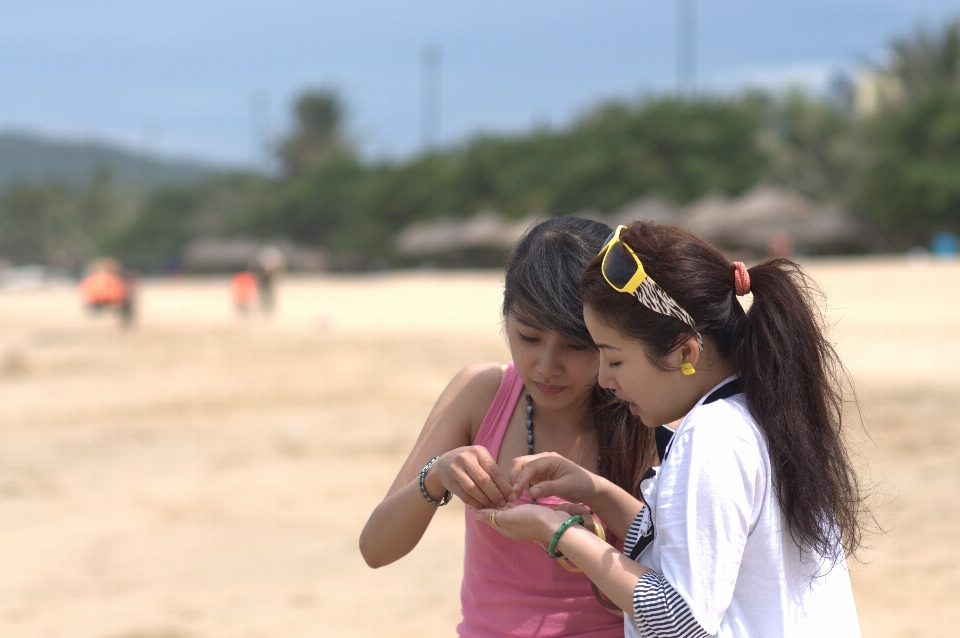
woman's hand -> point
(524, 522)
(472, 475)
(550, 474)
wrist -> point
(431, 481)
(598, 491)
(549, 524)
(572, 521)
(425, 482)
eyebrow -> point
(603, 346)
(528, 322)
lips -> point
(634, 408)
(550, 389)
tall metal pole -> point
(686, 46)
(430, 97)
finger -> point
(482, 474)
(500, 481)
(468, 500)
(522, 462)
(468, 491)
(483, 515)
(545, 488)
(517, 466)
(534, 472)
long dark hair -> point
(791, 375)
(541, 285)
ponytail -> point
(792, 378)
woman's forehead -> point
(580, 337)
(527, 320)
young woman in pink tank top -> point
(546, 400)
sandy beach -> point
(207, 475)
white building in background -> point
(872, 89)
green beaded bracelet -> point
(573, 520)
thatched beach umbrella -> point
(486, 229)
(773, 220)
(651, 208)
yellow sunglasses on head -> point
(622, 275)
(625, 275)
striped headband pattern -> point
(656, 299)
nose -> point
(550, 362)
(605, 377)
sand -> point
(207, 475)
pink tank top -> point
(513, 588)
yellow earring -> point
(687, 369)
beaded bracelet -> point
(423, 490)
(573, 520)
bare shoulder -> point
(476, 384)
(459, 411)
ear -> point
(688, 352)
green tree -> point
(318, 136)
(813, 144)
(161, 231)
(312, 209)
(39, 224)
(928, 60)
(912, 186)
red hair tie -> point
(741, 278)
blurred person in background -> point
(105, 289)
(243, 291)
(546, 399)
(267, 266)
(745, 528)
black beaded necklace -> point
(529, 425)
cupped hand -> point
(550, 474)
(524, 522)
(473, 475)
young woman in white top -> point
(745, 528)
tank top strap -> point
(494, 424)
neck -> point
(713, 373)
(569, 420)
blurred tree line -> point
(897, 167)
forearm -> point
(614, 505)
(615, 574)
(396, 526)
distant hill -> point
(30, 158)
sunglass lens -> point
(618, 269)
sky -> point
(216, 79)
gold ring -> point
(493, 517)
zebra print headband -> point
(630, 277)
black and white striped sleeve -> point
(660, 612)
(633, 534)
